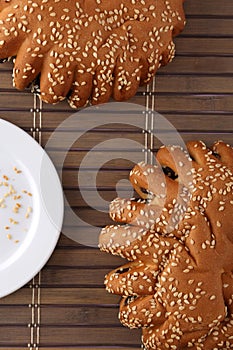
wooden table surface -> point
(66, 306)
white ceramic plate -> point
(31, 208)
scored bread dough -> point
(88, 50)
(178, 284)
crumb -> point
(17, 171)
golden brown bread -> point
(89, 50)
(178, 285)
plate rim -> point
(39, 256)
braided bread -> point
(178, 283)
(88, 50)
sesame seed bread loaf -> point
(88, 50)
(178, 238)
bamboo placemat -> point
(66, 306)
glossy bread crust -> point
(178, 238)
(88, 50)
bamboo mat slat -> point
(78, 258)
(88, 336)
(66, 306)
(209, 8)
(78, 296)
(78, 348)
(198, 65)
